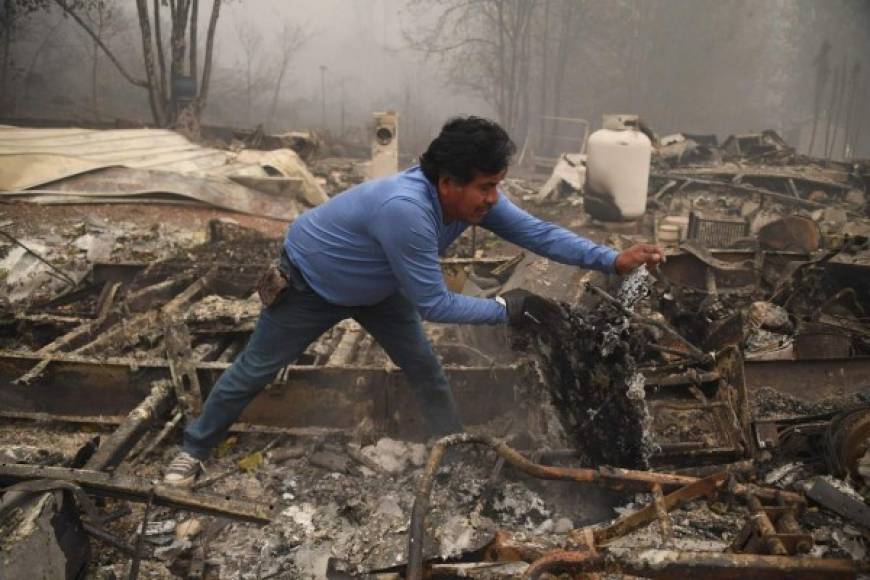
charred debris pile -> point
(707, 418)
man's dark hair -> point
(466, 145)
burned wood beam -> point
(106, 537)
(157, 294)
(158, 439)
(120, 333)
(126, 330)
(107, 299)
(138, 489)
(176, 339)
(153, 409)
(83, 332)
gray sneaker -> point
(183, 470)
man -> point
(371, 254)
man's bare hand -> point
(638, 255)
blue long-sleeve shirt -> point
(381, 236)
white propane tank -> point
(617, 169)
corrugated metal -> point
(30, 158)
(140, 148)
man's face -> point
(469, 202)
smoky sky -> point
(698, 66)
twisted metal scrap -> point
(615, 478)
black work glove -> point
(526, 309)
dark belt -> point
(292, 273)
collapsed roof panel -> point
(135, 165)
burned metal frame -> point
(91, 389)
(668, 564)
(613, 478)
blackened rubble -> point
(590, 363)
(722, 444)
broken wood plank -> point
(158, 439)
(176, 340)
(82, 332)
(134, 328)
(138, 489)
(152, 409)
(182, 368)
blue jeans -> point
(283, 332)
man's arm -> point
(546, 239)
(410, 242)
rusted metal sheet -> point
(310, 397)
(810, 380)
(735, 270)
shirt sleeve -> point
(409, 239)
(508, 221)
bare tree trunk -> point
(209, 49)
(115, 61)
(248, 90)
(854, 127)
(94, 105)
(161, 59)
(180, 19)
(545, 57)
(9, 8)
(841, 95)
(562, 52)
(525, 71)
(37, 53)
(850, 104)
(194, 20)
(178, 46)
(157, 105)
(834, 86)
(274, 105)
(822, 73)
(502, 49)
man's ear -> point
(445, 184)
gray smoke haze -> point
(699, 66)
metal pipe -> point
(764, 526)
(564, 561)
(616, 478)
(669, 564)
